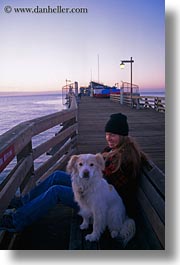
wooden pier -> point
(83, 132)
(146, 125)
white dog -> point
(98, 200)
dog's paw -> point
(84, 226)
(92, 237)
(127, 232)
(114, 233)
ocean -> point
(152, 93)
(16, 109)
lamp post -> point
(122, 64)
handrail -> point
(16, 148)
(126, 87)
(152, 102)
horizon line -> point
(160, 90)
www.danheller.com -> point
(46, 10)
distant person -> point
(123, 162)
(79, 95)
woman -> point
(123, 163)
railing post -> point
(73, 101)
(27, 150)
(146, 103)
(137, 103)
(158, 103)
(76, 88)
(122, 96)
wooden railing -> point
(151, 102)
(16, 145)
(126, 87)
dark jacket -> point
(125, 179)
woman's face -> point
(113, 140)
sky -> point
(39, 51)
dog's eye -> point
(91, 165)
(80, 164)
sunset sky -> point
(38, 52)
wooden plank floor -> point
(146, 126)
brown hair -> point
(127, 153)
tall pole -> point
(131, 82)
(91, 93)
(122, 67)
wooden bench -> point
(150, 223)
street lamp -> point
(122, 64)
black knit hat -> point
(117, 124)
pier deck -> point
(146, 126)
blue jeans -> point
(56, 188)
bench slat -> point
(153, 196)
(152, 216)
(77, 236)
(75, 242)
(157, 177)
(145, 237)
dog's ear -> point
(100, 161)
(71, 166)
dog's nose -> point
(86, 174)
